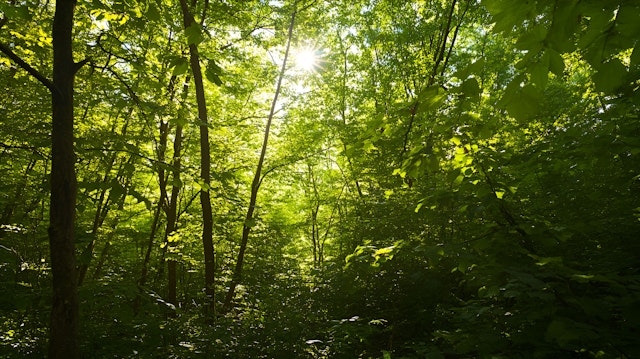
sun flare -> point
(307, 59)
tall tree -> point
(65, 309)
(257, 177)
(63, 337)
(205, 156)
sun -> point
(307, 59)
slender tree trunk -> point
(142, 281)
(205, 163)
(104, 202)
(103, 257)
(171, 207)
(7, 213)
(98, 219)
(314, 233)
(315, 208)
(441, 50)
(257, 179)
(126, 176)
(172, 215)
(343, 115)
(63, 339)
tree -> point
(205, 157)
(258, 176)
(65, 309)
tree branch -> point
(78, 65)
(25, 66)
(289, 161)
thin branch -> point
(405, 142)
(35, 149)
(153, 161)
(21, 147)
(257, 179)
(130, 90)
(25, 66)
(99, 43)
(204, 12)
(186, 206)
(290, 162)
(455, 36)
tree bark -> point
(63, 339)
(205, 163)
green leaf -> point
(177, 182)
(470, 88)
(384, 251)
(434, 355)
(539, 72)
(194, 34)
(140, 197)
(116, 190)
(181, 66)
(634, 60)
(556, 62)
(431, 98)
(524, 103)
(610, 76)
(19, 12)
(568, 333)
(533, 39)
(543, 261)
(213, 72)
(131, 148)
(251, 222)
(507, 15)
(203, 185)
(152, 12)
(561, 35)
(485, 132)
(474, 68)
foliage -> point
(450, 179)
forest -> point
(320, 179)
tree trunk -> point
(63, 339)
(257, 179)
(172, 215)
(205, 163)
(103, 257)
(142, 281)
(7, 213)
(63, 331)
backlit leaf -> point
(194, 34)
(213, 72)
(610, 76)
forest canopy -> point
(320, 179)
